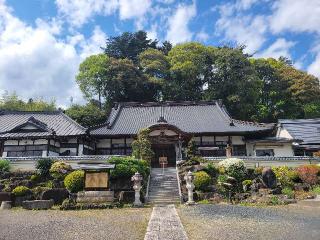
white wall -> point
(283, 133)
(280, 150)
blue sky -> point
(42, 42)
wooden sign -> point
(95, 180)
(163, 160)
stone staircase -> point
(163, 188)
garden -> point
(230, 181)
(58, 182)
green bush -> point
(126, 167)
(234, 167)
(59, 170)
(222, 178)
(274, 200)
(74, 181)
(288, 191)
(211, 170)
(247, 182)
(43, 166)
(202, 180)
(21, 191)
(35, 178)
(38, 190)
(49, 184)
(316, 190)
(4, 166)
(284, 175)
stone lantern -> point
(137, 179)
(190, 186)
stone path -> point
(165, 224)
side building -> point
(172, 125)
(306, 132)
(25, 134)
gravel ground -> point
(108, 224)
(238, 222)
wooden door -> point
(165, 150)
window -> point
(264, 152)
(24, 153)
(239, 150)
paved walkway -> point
(165, 224)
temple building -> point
(25, 134)
(172, 125)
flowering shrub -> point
(308, 174)
(284, 175)
(202, 180)
(59, 169)
(234, 167)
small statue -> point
(190, 186)
(137, 179)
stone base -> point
(38, 204)
(5, 205)
(95, 197)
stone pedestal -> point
(137, 179)
(190, 186)
(38, 204)
(95, 197)
(5, 205)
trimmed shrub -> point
(59, 170)
(258, 171)
(234, 167)
(4, 166)
(21, 191)
(43, 166)
(288, 191)
(308, 174)
(126, 167)
(222, 178)
(202, 180)
(74, 181)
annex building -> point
(172, 125)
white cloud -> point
(314, 67)
(295, 16)
(178, 24)
(80, 11)
(34, 62)
(129, 9)
(244, 29)
(202, 36)
(279, 48)
(152, 33)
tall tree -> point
(129, 45)
(92, 76)
(87, 115)
(234, 80)
(188, 66)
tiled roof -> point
(46, 124)
(189, 117)
(307, 130)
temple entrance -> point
(164, 151)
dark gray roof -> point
(308, 130)
(45, 124)
(189, 117)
